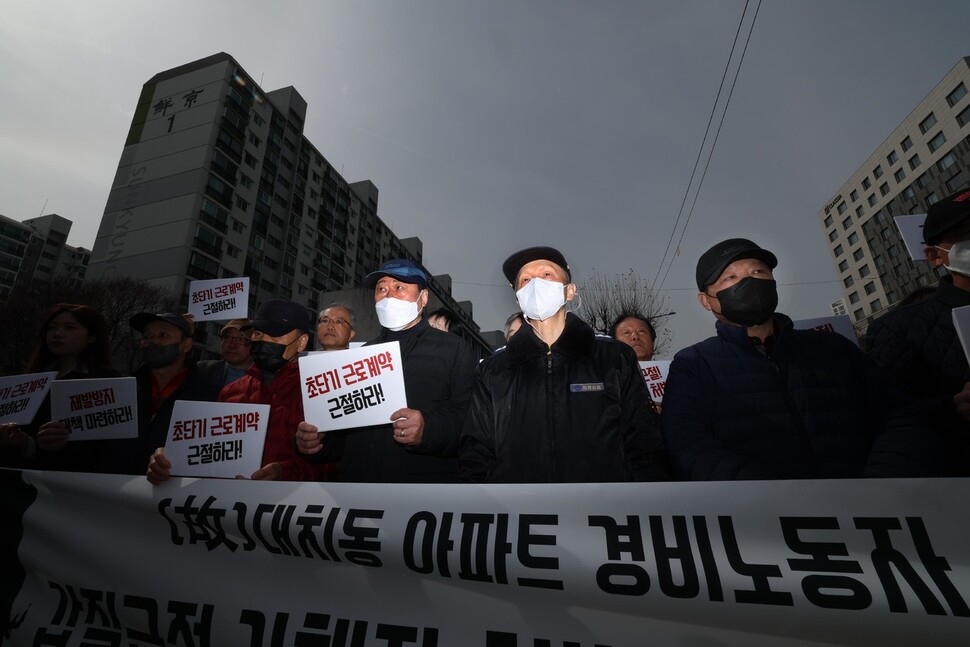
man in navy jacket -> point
(762, 400)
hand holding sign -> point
(408, 426)
(308, 438)
(52, 436)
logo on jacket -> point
(587, 387)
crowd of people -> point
(559, 402)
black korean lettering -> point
(759, 573)
(68, 605)
(679, 552)
(362, 546)
(419, 533)
(241, 515)
(307, 538)
(181, 627)
(104, 616)
(818, 588)
(622, 578)
(527, 539)
(257, 623)
(150, 607)
(473, 555)
(45, 638)
(936, 566)
(714, 591)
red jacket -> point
(285, 413)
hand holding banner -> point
(216, 439)
(219, 299)
(351, 388)
(96, 409)
(21, 395)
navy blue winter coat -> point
(817, 408)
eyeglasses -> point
(239, 340)
(326, 321)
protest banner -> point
(840, 324)
(655, 375)
(352, 388)
(96, 409)
(961, 321)
(754, 564)
(219, 299)
(911, 230)
(21, 395)
(220, 439)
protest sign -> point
(220, 439)
(911, 230)
(96, 409)
(655, 375)
(219, 299)
(353, 388)
(840, 324)
(21, 395)
(961, 321)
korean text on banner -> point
(840, 324)
(655, 375)
(99, 409)
(219, 299)
(353, 388)
(217, 439)
(21, 395)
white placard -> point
(961, 321)
(220, 439)
(96, 409)
(655, 375)
(351, 388)
(21, 395)
(840, 324)
(911, 229)
(219, 299)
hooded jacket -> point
(578, 411)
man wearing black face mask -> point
(167, 374)
(918, 344)
(762, 400)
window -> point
(849, 281)
(899, 175)
(853, 238)
(232, 251)
(838, 251)
(906, 144)
(242, 204)
(859, 211)
(876, 305)
(927, 123)
(883, 188)
(886, 234)
(909, 193)
(914, 162)
(947, 161)
(259, 121)
(854, 297)
(847, 223)
(842, 207)
(858, 254)
(964, 117)
(254, 140)
(955, 182)
(854, 195)
(245, 180)
(872, 199)
(843, 266)
(827, 222)
(938, 140)
(892, 158)
(877, 172)
(833, 235)
(864, 271)
(958, 93)
(870, 287)
(859, 315)
(865, 184)
(931, 198)
(922, 181)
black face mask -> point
(749, 302)
(157, 356)
(268, 355)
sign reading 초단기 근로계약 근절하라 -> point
(219, 299)
(217, 439)
(96, 409)
(353, 388)
(21, 395)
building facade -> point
(35, 253)
(923, 160)
(217, 180)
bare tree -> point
(605, 297)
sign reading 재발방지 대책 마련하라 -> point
(96, 409)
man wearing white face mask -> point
(918, 343)
(420, 442)
(558, 403)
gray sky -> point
(489, 126)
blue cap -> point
(402, 269)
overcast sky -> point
(490, 126)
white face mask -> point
(396, 314)
(539, 299)
(959, 257)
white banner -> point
(219, 299)
(358, 387)
(911, 230)
(961, 321)
(111, 560)
(21, 395)
(655, 375)
(221, 439)
(97, 408)
(840, 324)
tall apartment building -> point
(217, 179)
(924, 159)
(35, 252)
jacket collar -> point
(739, 334)
(576, 340)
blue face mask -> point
(959, 257)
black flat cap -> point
(515, 262)
(714, 260)
(945, 215)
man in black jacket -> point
(558, 403)
(918, 344)
(420, 444)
